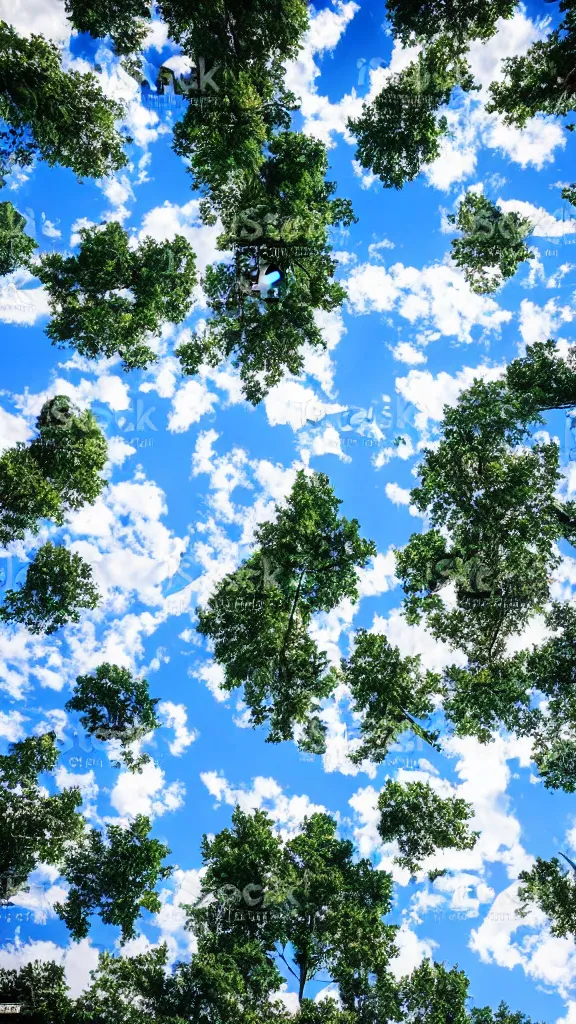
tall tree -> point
(115, 707)
(552, 889)
(421, 21)
(60, 117)
(319, 909)
(276, 219)
(41, 991)
(57, 472)
(492, 245)
(543, 80)
(126, 21)
(87, 293)
(307, 562)
(423, 822)
(117, 876)
(16, 247)
(57, 587)
(34, 827)
(490, 491)
(401, 130)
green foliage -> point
(60, 117)
(503, 1015)
(34, 827)
(543, 80)
(492, 245)
(58, 585)
(117, 876)
(307, 562)
(235, 34)
(550, 670)
(88, 308)
(315, 901)
(422, 822)
(223, 142)
(265, 340)
(127, 21)
(434, 995)
(497, 503)
(490, 493)
(552, 890)
(25, 495)
(16, 247)
(287, 202)
(115, 706)
(422, 21)
(390, 692)
(41, 990)
(71, 452)
(399, 132)
(209, 988)
(57, 472)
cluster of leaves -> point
(16, 247)
(267, 339)
(111, 298)
(400, 131)
(311, 907)
(59, 471)
(423, 822)
(58, 586)
(117, 876)
(307, 562)
(491, 498)
(60, 117)
(34, 827)
(115, 706)
(492, 245)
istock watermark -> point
(369, 422)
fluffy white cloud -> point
(146, 793)
(437, 295)
(174, 716)
(266, 794)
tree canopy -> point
(57, 587)
(115, 706)
(34, 827)
(307, 561)
(116, 876)
(492, 244)
(89, 307)
(16, 247)
(57, 472)
(61, 117)
(283, 207)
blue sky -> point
(193, 469)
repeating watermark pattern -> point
(12, 573)
(161, 86)
(136, 425)
(371, 423)
(364, 66)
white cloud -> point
(266, 794)
(190, 403)
(11, 727)
(438, 295)
(175, 717)
(146, 793)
